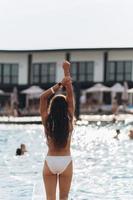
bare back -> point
(54, 151)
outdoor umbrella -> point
(32, 92)
(130, 91)
(117, 87)
(98, 88)
(1, 92)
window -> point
(43, 72)
(128, 70)
(0, 73)
(119, 71)
(82, 71)
(110, 71)
(9, 73)
(74, 71)
(35, 73)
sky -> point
(65, 24)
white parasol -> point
(31, 93)
(33, 90)
(1, 92)
(98, 88)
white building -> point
(44, 67)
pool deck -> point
(85, 118)
(20, 120)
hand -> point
(67, 80)
(66, 67)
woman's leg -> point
(50, 182)
(65, 182)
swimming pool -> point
(102, 165)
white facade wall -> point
(96, 57)
(19, 58)
(57, 57)
(120, 55)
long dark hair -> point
(57, 124)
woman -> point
(130, 134)
(57, 118)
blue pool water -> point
(102, 165)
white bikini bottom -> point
(57, 164)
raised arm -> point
(69, 89)
(44, 100)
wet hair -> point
(118, 131)
(18, 152)
(57, 124)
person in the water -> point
(117, 134)
(130, 134)
(21, 151)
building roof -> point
(66, 50)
